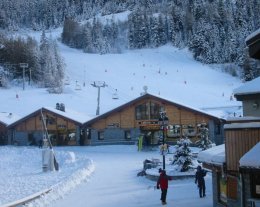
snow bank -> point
(214, 155)
(21, 168)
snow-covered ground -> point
(91, 176)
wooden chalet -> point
(64, 127)
(140, 117)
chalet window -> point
(148, 110)
(222, 188)
(141, 112)
(232, 187)
(188, 130)
(174, 131)
(154, 111)
(127, 134)
(101, 135)
(49, 120)
(255, 185)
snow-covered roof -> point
(191, 107)
(68, 113)
(251, 158)
(8, 118)
(242, 119)
(214, 155)
(242, 125)
(250, 87)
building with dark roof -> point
(140, 117)
(64, 127)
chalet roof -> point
(73, 116)
(7, 118)
(252, 37)
(147, 96)
(251, 158)
(242, 119)
(214, 155)
(250, 87)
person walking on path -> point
(162, 183)
(199, 180)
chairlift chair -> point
(115, 95)
(77, 87)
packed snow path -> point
(114, 183)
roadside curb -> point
(26, 199)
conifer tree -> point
(204, 142)
(183, 157)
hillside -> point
(166, 71)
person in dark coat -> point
(199, 180)
(162, 183)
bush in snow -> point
(183, 157)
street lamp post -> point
(163, 121)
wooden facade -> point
(244, 139)
(141, 116)
(61, 129)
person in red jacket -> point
(162, 183)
